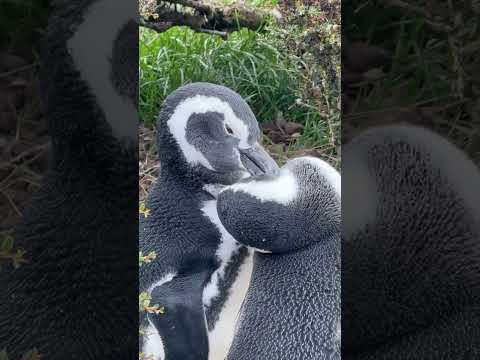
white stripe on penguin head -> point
(91, 48)
(201, 104)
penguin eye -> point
(228, 129)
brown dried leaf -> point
(361, 57)
(268, 127)
(292, 128)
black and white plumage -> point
(292, 308)
(66, 302)
(208, 137)
(411, 248)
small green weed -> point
(8, 253)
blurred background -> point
(23, 128)
(412, 61)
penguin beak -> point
(257, 161)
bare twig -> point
(12, 203)
(435, 26)
(222, 34)
(30, 151)
(17, 70)
(157, 26)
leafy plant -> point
(144, 299)
(145, 259)
(143, 209)
(145, 305)
(9, 253)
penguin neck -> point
(330, 245)
(179, 179)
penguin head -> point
(295, 209)
(410, 241)
(210, 132)
(89, 79)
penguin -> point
(292, 307)
(70, 300)
(410, 247)
(208, 137)
(182, 299)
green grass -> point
(248, 62)
(427, 68)
(418, 64)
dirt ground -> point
(23, 137)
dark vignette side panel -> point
(411, 180)
(69, 170)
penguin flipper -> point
(293, 210)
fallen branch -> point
(203, 16)
(159, 26)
